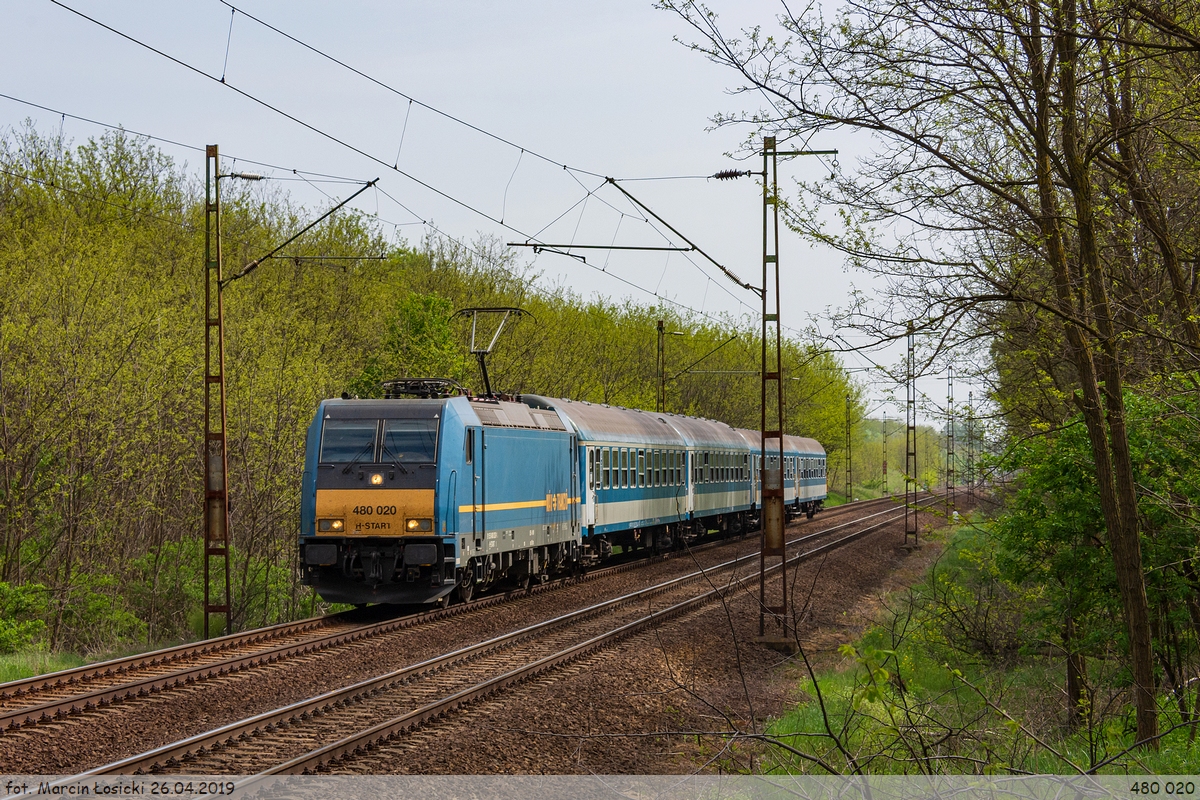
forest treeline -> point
(101, 369)
(1027, 199)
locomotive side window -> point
(409, 441)
(347, 440)
(470, 444)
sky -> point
(556, 97)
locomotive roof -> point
(382, 409)
(506, 414)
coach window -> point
(678, 472)
(641, 468)
(605, 467)
(624, 468)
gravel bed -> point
(664, 702)
(97, 737)
(102, 735)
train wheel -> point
(466, 586)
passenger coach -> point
(409, 500)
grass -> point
(32, 661)
(908, 695)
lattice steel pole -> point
(950, 476)
(772, 390)
(849, 456)
(971, 445)
(910, 446)
(216, 461)
(887, 490)
(661, 404)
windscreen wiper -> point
(369, 446)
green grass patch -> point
(954, 679)
(27, 662)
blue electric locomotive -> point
(411, 500)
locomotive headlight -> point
(423, 525)
(327, 525)
(377, 479)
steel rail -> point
(172, 753)
(116, 666)
(80, 702)
(363, 740)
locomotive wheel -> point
(466, 586)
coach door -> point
(690, 456)
(573, 457)
(589, 487)
(478, 484)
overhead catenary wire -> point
(406, 96)
(323, 176)
(394, 166)
(300, 176)
(341, 142)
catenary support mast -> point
(216, 461)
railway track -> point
(309, 735)
(51, 697)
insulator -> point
(730, 174)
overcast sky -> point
(599, 86)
